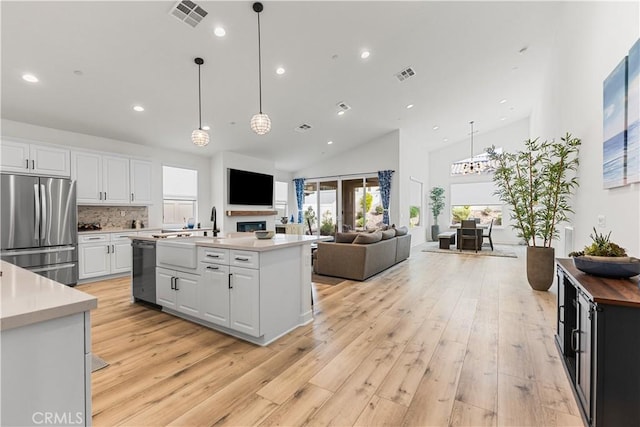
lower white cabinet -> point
(104, 254)
(244, 295)
(178, 290)
(214, 289)
(230, 295)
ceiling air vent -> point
(188, 12)
(302, 128)
(405, 74)
(343, 106)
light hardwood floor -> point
(436, 340)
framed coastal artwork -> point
(614, 127)
(633, 114)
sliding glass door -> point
(361, 203)
(320, 207)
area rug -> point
(326, 280)
(500, 251)
(97, 363)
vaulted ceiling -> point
(95, 60)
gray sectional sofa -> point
(357, 260)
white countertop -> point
(254, 244)
(27, 298)
(119, 230)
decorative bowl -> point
(614, 267)
(264, 234)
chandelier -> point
(474, 165)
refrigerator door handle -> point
(36, 197)
(52, 268)
(43, 223)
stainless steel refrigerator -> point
(38, 225)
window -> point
(282, 196)
(475, 200)
(180, 196)
(415, 202)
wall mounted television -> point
(249, 188)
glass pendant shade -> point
(260, 124)
(200, 137)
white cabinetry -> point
(46, 370)
(177, 290)
(140, 182)
(36, 159)
(104, 254)
(100, 179)
(111, 180)
(230, 295)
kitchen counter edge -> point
(28, 298)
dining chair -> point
(468, 232)
(487, 234)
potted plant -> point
(537, 184)
(437, 204)
(605, 258)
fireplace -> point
(251, 226)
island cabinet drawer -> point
(214, 255)
(246, 259)
(93, 238)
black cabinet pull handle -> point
(27, 160)
(176, 284)
(574, 340)
(230, 274)
(173, 286)
(33, 164)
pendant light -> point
(198, 136)
(260, 123)
(472, 166)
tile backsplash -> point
(111, 216)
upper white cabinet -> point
(111, 180)
(140, 182)
(36, 159)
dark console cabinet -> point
(599, 340)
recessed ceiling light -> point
(280, 70)
(502, 101)
(205, 127)
(436, 127)
(341, 112)
(138, 108)
(329, 142)
(503, 118)
(409, 106)
(30, 78)
(445, 139)
(220, 32)
(365, 54)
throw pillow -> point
(345, 237)
(401, 231)
(367, 238)
(388, 234)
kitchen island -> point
(46, 350)
(256, 290)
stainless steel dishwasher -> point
(144, 270)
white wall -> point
(510, 138)
(219, 187)
(595, 38)
(413, 163)
(380, 154)
(157, 156)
